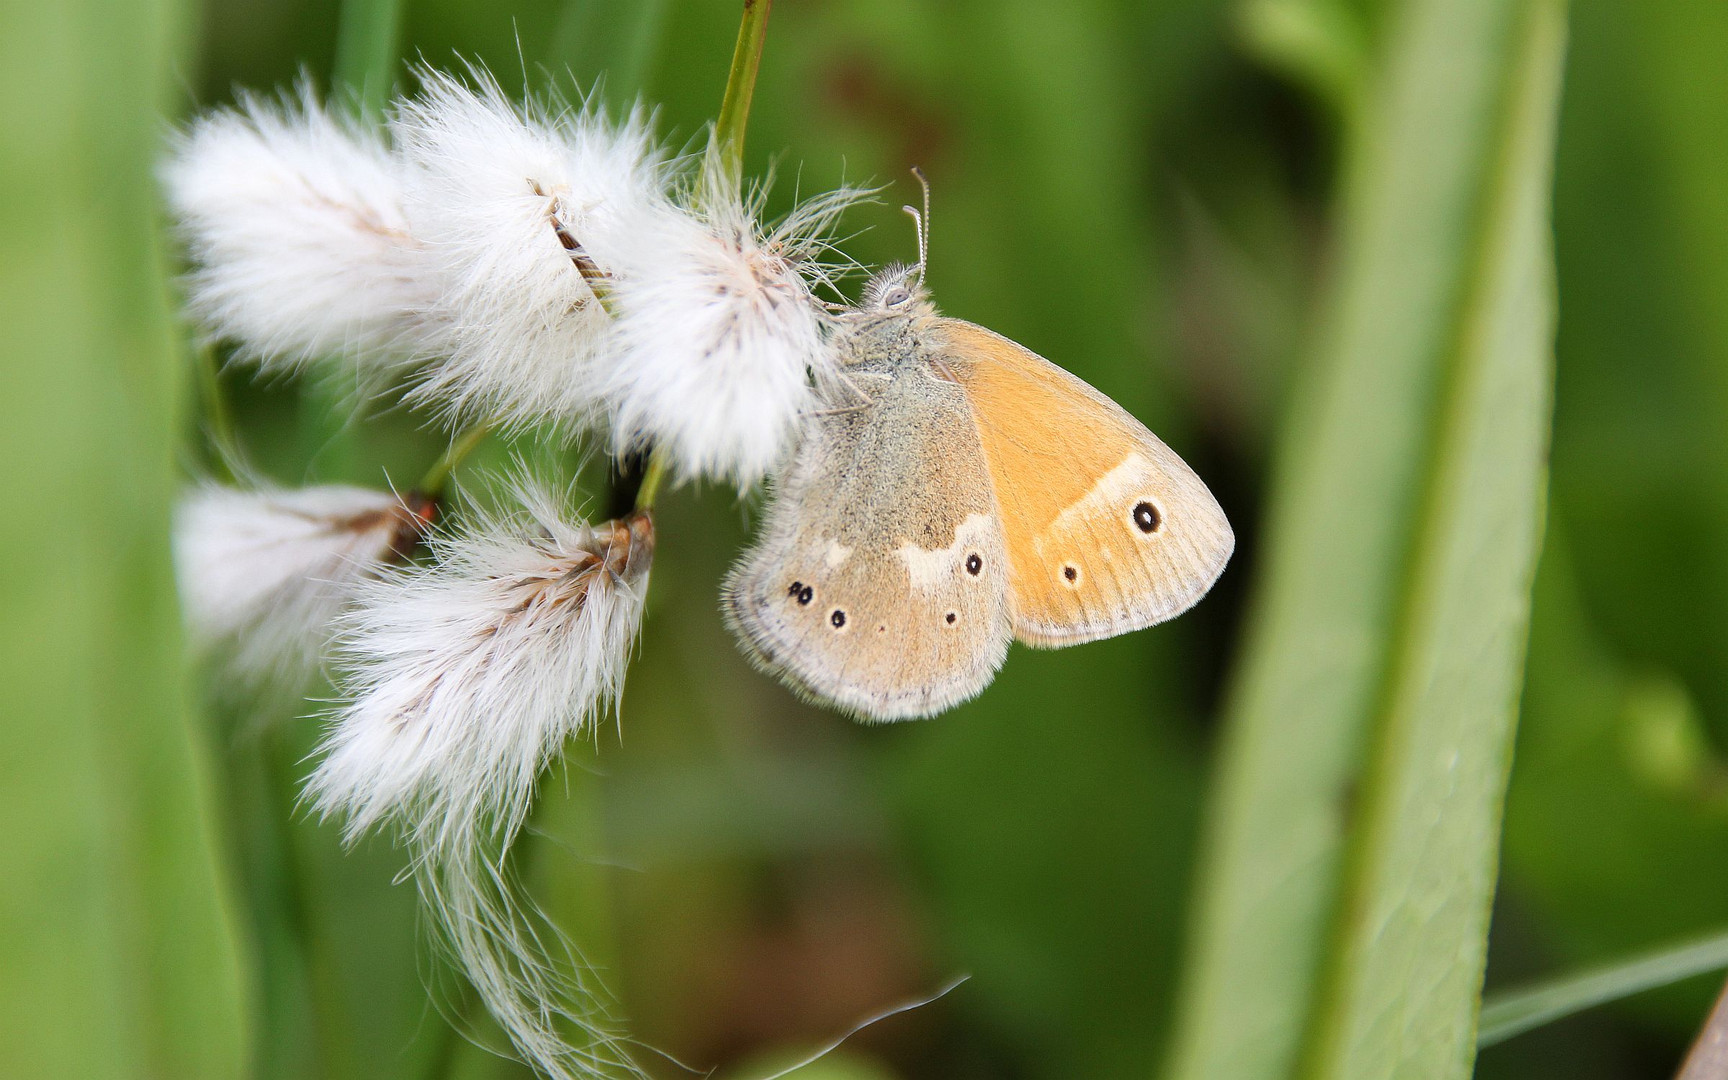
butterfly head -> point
(899, 289)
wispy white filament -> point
(718, 332)
(264, 574)
(463, 679)
(520, 209)
(530, 263)
(295, 219)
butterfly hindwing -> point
(1107, 529)
(879, 582)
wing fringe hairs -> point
(515, 264)
(462, 679)
(264, 573)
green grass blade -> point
(332, 400)
(1405, 967)
(1412, 457)
(608, 44)
(366, 48)
(1513, 1012)
(118, 960)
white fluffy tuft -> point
(537, 263)
(264, 574)
(463, 680)
(718, 331)
(295, 219)
(497, 192)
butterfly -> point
(958, 492)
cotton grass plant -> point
(541, 268)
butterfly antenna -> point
(922, 221)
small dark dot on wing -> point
(838, 618)
(951, 618)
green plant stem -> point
(366, 50)
(653, 478)
(437, 478)
(219, 434)
(619, 40)
(1506, 1013)
(366, 41)
(741, 86)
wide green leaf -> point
(1374, 707)
(1420, 876)
(117, 956)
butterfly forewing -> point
(1107, 529)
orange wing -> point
(1107, 529)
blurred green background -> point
(1150, 193)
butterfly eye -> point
(897, 296)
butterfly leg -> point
(854, 382)
(943, 371)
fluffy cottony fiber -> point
(264, 573)
(520, 210)
(462, 679)
(295, 219)
(718, 332)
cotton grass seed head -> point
(718, 330)
(519, 209)
(462, 679)
(265, 573)
(294, 217)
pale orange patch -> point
(1069, 466)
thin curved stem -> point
(437, 478)
(741, 85)
(219, 436)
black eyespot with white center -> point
(1147, 518)
(838, 618)
(801, 593)
(974, 564)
